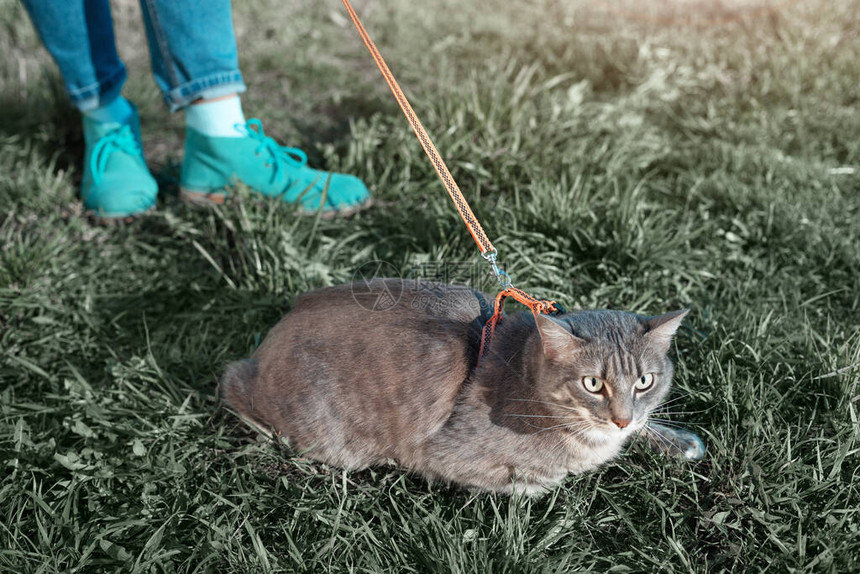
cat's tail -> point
(237, 387)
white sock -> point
(216, 119)
(117, 112)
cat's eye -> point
(644, 382)
(592, 384)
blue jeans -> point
(191, 44)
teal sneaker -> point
(213, 164)
(116, 182)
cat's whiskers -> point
(564, 440)
(538, 416)
(574, 419)
(675, 425)
(670, 401)
(543, 428)
(664, 422)
(683, 412)
(651, 437)
(663, 406)
(557, 405)
(657, 435)
(575, 424)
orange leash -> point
(489, 252)
(536, 305)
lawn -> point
(636, 155)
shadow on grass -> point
(47, 120)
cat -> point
(351, 385)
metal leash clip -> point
(501, 276)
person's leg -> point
(79, 36)
(195, 63)
(192, 49)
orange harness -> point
(488, 252)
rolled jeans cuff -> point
(99, 94)
(207, 87)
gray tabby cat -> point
(354, 387)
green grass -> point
(644, 160)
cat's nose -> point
(621, 423)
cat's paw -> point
(692, 447)
(675, 442)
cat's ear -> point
(556, 340)
(660, 329)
